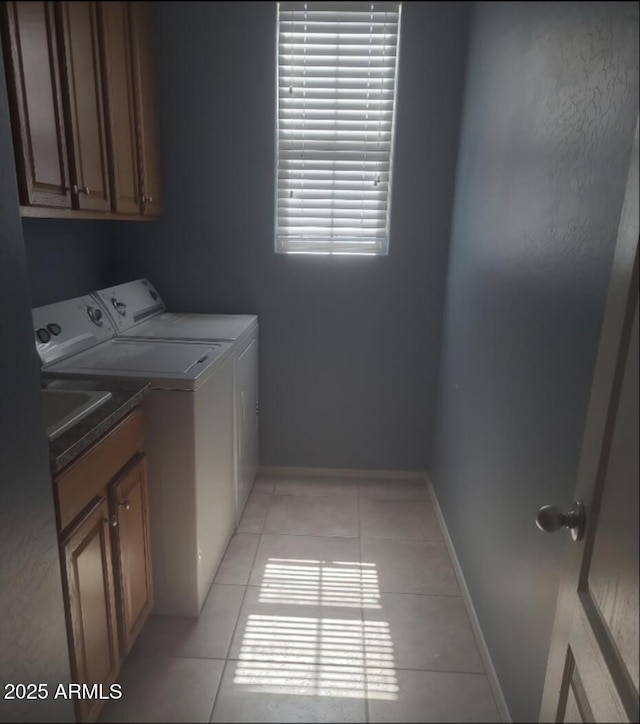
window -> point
(336, 96)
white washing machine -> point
(189, 438)
(138, 312)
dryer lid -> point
(194, 327)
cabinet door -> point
(144, 73)
(33, 74)
(82, 87)
(91, 610)
(119, 102)
(247, 420)
(129, 504)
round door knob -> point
(125, 504)
(551, 519)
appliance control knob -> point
(54, 328)
(43, 335)
(95, 315)
(119, 306)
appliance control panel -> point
(67, 327)
(130, 303)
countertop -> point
(125, 395)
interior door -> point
(82, 84)
(119, 101)
(592, 671)
(31, 53)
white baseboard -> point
(287, 472)
(494, 683)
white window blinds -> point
(336, 95)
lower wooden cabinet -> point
(106, 556)
(132, 552)
(91, 608)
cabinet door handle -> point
(113, 521)
(125, 504)
(76, 190)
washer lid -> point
(194, 327)
(152, 360)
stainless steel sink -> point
(64, 408)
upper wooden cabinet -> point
(30, 43)
(83, 95)
(120, 103)
(81, 87)
(146, 106)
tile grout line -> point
(350, 537)
(364, 496)
(244, 595)
(358, 667)
(389, 593)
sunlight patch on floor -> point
(320, 583)
(317, 657)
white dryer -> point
(189, 438)
(138, 312)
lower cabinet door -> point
(128, 501)
(91, 610)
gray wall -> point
(66, 257)
(32, 630)
(349, 346)
(550, 110)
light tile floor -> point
(335, 602)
